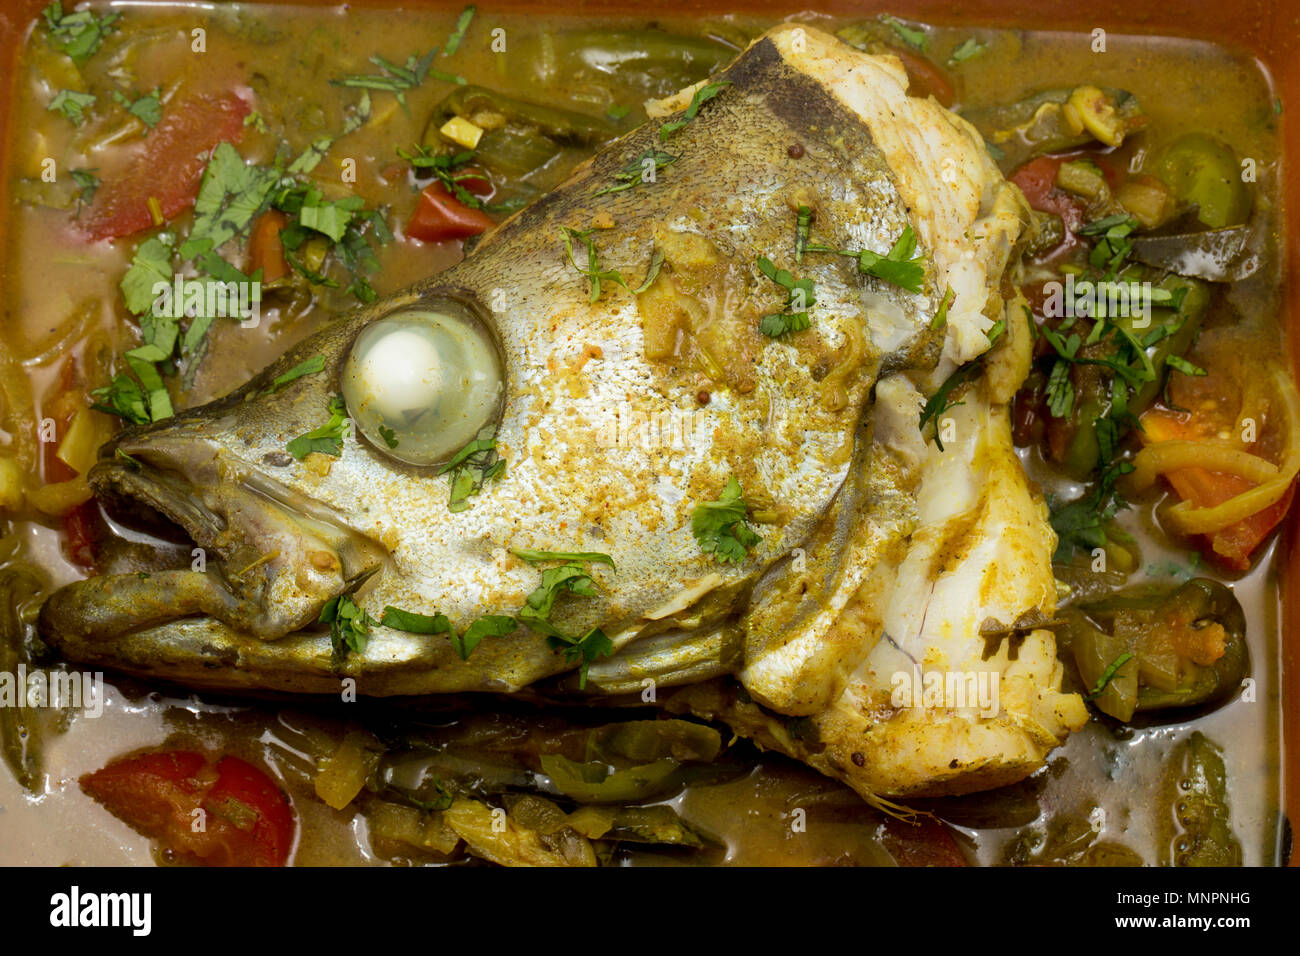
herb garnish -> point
(941, 400)
(72, 105)
(77, 34)
(720, 527)
(147, 108)
(641, 169)
(1108, 675)
(533, 556)
(898, 266)
(349, 625)
(583, 651)
(326, 440)
(398, 80)
(471, 468)
(702, 96)
(458, 34)
(306, 367)
(914, 38)
(800, 295)
(968, 50)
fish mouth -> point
(266, 558)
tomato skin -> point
(245, 818)
(265, 251)
(1037, 180)
(441, 216)
(79, 525)
(240, 787)
(169, 168)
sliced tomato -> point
(222, 813)
(265, 251)
(1037, 180)
(440, 216)
(169, 168)
(79, 529)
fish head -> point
(589, 378)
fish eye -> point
(420, 384)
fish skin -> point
(563, 490)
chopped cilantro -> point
(1108, 675)
(800, 296)
(533, 556)
(969, 49)
(89, 183)
(941, 316)
(146, 108)
(913, 37)
(399, 79)
(583, 651)
(326, 440)
(458, 34)
(635, 171)
(702, 96)
(593, 271)
(72, 105)
(306, 367)
(720, 527)
(77, 34)
(898, 266)
(802, 227)
(349, 625)
(489, 625)
(941, 400)
(536, 612)
(471, 468)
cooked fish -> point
(610, 340)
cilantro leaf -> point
(326, 440)
(941, 400)
(72, 105)
(77, 34)
(571, 578)
(800, 295)
(533, 556)
(967, 50)
(702, 96)
(349, 625)
(913, 37)
(593, 271)
(640, 169)
(471, 468)
(720, 527)
(489, 625)
(584, 651)
(414, 623)
(458, 34)
(306, 367)
(146, 108)
(151, 264)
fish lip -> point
(252, 534)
